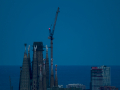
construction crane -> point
(51, 38)
(52, 32)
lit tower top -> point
(29, 48)
(46, 48)
(35, 47)
(46, 52)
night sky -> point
(87, 32)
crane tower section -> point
(51, 43)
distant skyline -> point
(86, 33)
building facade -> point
(100, 76)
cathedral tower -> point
(25, 73)
(47, 68)
(44, 75)
(37, 60)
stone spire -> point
(56, 79)
(25, 73)
(35, 81)
(29, 62)
(37, 60)
(44, 76)
(47, 68)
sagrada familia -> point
(37, 76)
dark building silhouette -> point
(37, 76)
(25, 73)
(47, 68)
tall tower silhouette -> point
(44, 75)
(37, 60)
(47, 68)
(34, 64)
(29, 65)
(25, 73)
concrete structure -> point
(100, 76)
(38, 77)
(47, 68)
(35, 70)
(37, 60)
(44, 76)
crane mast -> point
(51, 33)
(51, 42)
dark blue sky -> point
(87, 32)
